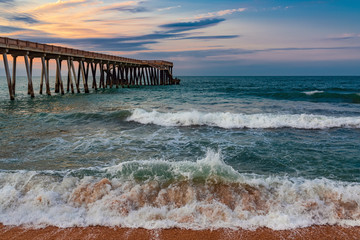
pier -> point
(113, 70)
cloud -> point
(187, 26)
(134, 43)
(9, 29)
(130, 6)
(9, 2)
(220, 13)
(23, 17)
(132, 9)
(168, 8)
(201, 53)
(60, 5)
(307, 48)
(345, 36)
(204, 53)
(212, 37)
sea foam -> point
(152, 194)
(239, 120)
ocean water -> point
(213, 152)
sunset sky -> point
(255, 37)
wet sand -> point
(97, 232)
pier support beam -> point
(151, 76)
(93, 71)
(121, 75)
(87, 74)
(81, 66)
(48, 71)
(29, 75)
(45, 70)
(127, 75)
(30, 86)
(13, 83)
(60, 82)
(130, 76)
(116, 76)
(57, 89)
(70, 81)
(142, 77)
(102, 76)
(76, 78)
(147, 75)
(8, 76)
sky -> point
(209, 38)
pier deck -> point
(114, 70)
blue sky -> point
(253, 37)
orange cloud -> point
(59, 5)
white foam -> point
(239, 120)
(247, 201)
(313, 92)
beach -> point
(316, 232)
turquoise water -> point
(277, 134)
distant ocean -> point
(212, 152)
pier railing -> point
(114, 70)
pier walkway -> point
(114, 70)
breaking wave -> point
(152, 194)
(239, 120)
(313, 92)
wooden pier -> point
(114, 70)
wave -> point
(152, 194)
(313, 92)
(73, 117)
(312, 95)
(333, 96)
(239, 120)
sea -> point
(210, 153)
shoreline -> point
(100, 232)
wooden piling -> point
(151, 76)
(127, 75)
(111, 75)
(154, 76)
(57, 78)
(136, 76)
(147, 75)
(70, 81)
(45, 69)
(81, 66)
(14, 75)
(60, 82)
(48, 74)
(93, 70)
(76, 77)
(8, 76)
(28, 72)
(116, 76)
(101, 83)
(120, 75)
(130, 76)
(143, 76)
(87, 74)
(42, 79)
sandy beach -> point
(97, 232)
